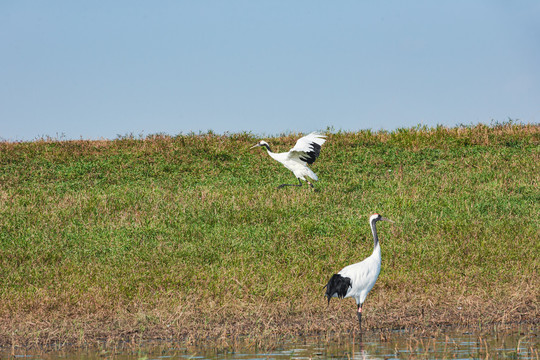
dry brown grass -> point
(196, 321)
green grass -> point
(191, 232)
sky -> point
(106, 69)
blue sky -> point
(90, 69)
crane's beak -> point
(254, 146)
(386, 219)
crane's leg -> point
(359, 313)
(299, 184)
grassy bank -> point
(187, 237)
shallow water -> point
(518, 344)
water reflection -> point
(388, 345)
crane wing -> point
(307, 148)
(337, 285)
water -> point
(389, 345)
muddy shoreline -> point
(227, 331)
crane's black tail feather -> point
(337, 285)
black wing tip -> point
(337, 285)
(312, 155)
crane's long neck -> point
(375, 237)
(267, 147)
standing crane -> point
(357, 280)
(306, 151)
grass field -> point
(188, 237)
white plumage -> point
(358, 279)
(306, 151)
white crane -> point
(357, 280)
(306, 151)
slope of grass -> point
(189, 237)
